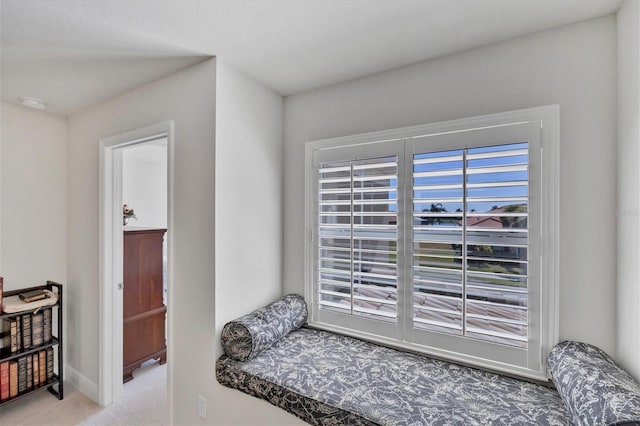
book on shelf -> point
(29, 372)
(19, 333)
(13, 379)
(14, 337)
(37, 330)
(26, 331)
(42, 356)
(22, 374)
(36, 370)
(4, 380)
(32, 296)
(49, 364)
(46, 325)
(1, 290)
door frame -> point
(111, 253)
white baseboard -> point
(82, 383)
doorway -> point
(130, 165)
(144, 194)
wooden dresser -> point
(144, 311)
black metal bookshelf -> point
(54, 385)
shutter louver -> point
(357, 237)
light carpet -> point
(144, 402)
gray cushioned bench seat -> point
(328, 379)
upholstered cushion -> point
(249, 335)
(595, 390)
(328, 379)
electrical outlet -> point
(202, 406)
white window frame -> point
(545, 118)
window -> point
(430, 238)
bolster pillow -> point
(595, 390)
(247, 336)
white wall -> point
(573, 66)
(627, 212)
(248, 221)
(188, 98)
(243, 198)
(144, 183)
(33, 191)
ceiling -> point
(74, 53)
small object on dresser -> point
(127, 213)
(32, 296)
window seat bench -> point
(325, 378)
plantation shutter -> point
(470, 211)
(430, 239)
(357, 237)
